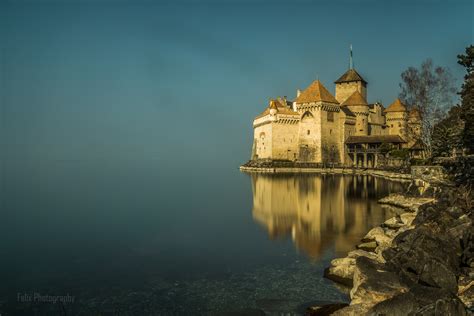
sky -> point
(179, 83)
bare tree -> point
(430, 90)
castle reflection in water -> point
(320, 211)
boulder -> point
(407, 218)
(341, 271)
(372, 283)
(370, 236)
(420, 300)
(393, 223)
(368, 246)
(466, 290)
(409, 204)
(378, 235)
(422, 256)
(361, 253)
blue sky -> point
(175, 83)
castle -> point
(343, 129)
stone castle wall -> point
(397, 123)
(263, 135)
(331, 146)
(309, 136)
(345, 89)
(285, 140)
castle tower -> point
(349, 83)
(318, 137)
(397, 119)
(358, 105)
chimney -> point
(298, 92)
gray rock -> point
(378, 235)
(422, 256)
(373, 284)
(393, 223)
(407, 218)
(368, 246)
(420, 300)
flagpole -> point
(351, 63)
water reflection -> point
(320, 211)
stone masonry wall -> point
(345, 89)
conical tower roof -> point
(355, 99)
(349, 76)
(396, 106)
(316, 92)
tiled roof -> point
(281, 109)
(396, 106)
(355, 99)
(349, 76)
(346, 111)
(394, 139)
(316, 92)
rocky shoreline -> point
(419, 262)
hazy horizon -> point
(174, 84)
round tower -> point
(358, 105)
(397, 119)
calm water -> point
(137, 240)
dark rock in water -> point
(338, 278)
(421, 300)
(324, 310)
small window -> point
(391, 125)
(308, 132)
(330, 116)
(330, 131)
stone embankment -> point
(298, 168)
(418, 262)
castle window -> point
(330, 116)
(330, 131)
(391, 125)
(308, 132)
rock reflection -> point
(320, 211)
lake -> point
(127, 239)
